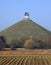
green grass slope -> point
(25, 29)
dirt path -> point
(24, 52)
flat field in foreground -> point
(25, 57)
(26, 60)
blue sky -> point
(12, 11)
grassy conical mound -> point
(25, 29)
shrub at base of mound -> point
(30, 44)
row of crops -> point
(26, 60)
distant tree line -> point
(29, 43)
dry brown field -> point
(22, 51)
(25, 57)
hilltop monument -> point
(26, 15)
